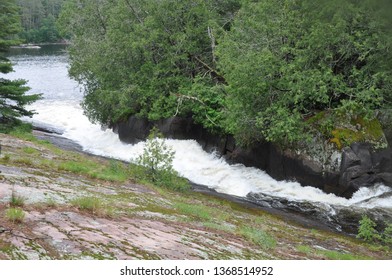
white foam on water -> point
(192, 162)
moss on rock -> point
(343, 130)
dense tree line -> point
(257, 69)
(39, 20)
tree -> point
(38, 20)
(156, 163)
(367, 229)
(285, 61)
(157, 156)
(13, 98)
(150, 58)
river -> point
(46, 70)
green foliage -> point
(387, 235)
(304, 249)
(367, 230)
(46, 33)
(202, 212)
(78, 167)
(91, 204)
(343, 131)
(115, 172)
(15, 215)
(150, 58)
(302, 57)
(39, 20)
(157, 155)
(16, 200)
(334, 255)
(5, 158)
(30, 150)
(13, 98)
(258, 237)
(257, 69)
(22, 131)
(156, 162)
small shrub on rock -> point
(367, 230)
(157, 163)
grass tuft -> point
(199, 211)
(258, 237)
(17, 200)
(5, 158)
(88, 203)
(30, 150)
(15, 215)
(334, 255)
(304, 249)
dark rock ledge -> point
(360, 165)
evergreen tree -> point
(286, 61)
(13, 98)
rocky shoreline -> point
(136, 221)
(292, 216)
(343, 220)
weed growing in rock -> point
(115, 172)
(88, 203)
(258, 237)
(78, 167)
(6, 158)
(23, 131)
(51, 202)
(16, 200)
(200, 211)
(23, 161)
(304, 249)
(334, 255)
(94, 205)
(30, 150)
(15, 215)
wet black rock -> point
(363, 167)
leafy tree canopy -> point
(286, 60)
(257, 69)
(151, 58)
(39, 20)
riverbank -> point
(78, 206)
(283, 212)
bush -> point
(367, 230)
(387, 235)
(157, 157)
(157, 163)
